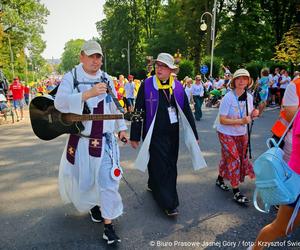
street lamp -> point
(203, 27)
(128, 56)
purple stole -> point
(151, 99)
(95, 139)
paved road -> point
(33, 216)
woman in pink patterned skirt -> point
(232, 133)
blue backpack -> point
(276, 183)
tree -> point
(245, 34)
(289, 48)
(21, 23)
(70, 56)
(281, 15)
(123, 23)
(246, 30)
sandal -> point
(222, 185)
(241, 199)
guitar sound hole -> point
(64, 121)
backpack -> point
(276, 183)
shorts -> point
(18, 103)
(129, 102)
(3, 106)
(273, 91)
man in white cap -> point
(163, 99)
(89, 171)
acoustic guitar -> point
(48, 123)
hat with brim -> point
(91, 47)
(166, 59)
(238, 73)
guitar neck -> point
(87, 117)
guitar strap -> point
(86, 109)
(111, 93)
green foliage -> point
(186, 68)
(254, 68)
(217, 65)
(125, 21)
(71, 53)
(276, 64)
(246, 35)
(289, 48)
(21, 26)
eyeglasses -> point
(159, 65)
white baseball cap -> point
(241, 72)
(91, 47)
(166, 59)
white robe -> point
(88, 182)
(198, 160)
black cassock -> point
(164, 146)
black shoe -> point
(241, 199)
(222, 185)
(172, 212)
(109, 234)
(96, 214)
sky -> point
(69, 19)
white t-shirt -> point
(219, 84)
(188, 91)
(286, 81)
(2, 98)
(290, 97)
(275, 81)
(207, 85)
(197, 90)
(233, 109)
(129, 89)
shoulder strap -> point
(111, 93)
(86, 109)
(293, 217)
(75, 81)
(287, 128)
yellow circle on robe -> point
(121, 91)
(121, 103)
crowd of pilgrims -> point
(222, 92)
(268, 89)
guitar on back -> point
(48, 123)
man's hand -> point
(97, 89)
(134, 144)
(122, 136)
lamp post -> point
(203, 27)
(128, 56)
